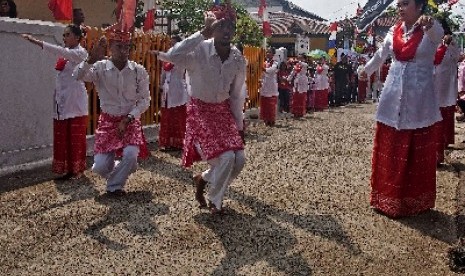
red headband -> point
(113, 33)
(224, 11)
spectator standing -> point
(8, 9)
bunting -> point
(333, 29)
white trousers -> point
(116, 172)
(223, 170)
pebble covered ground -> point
(300, 207)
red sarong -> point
(172, 127)
(362, 90)
(107, 138)
(69, 145)
(299, 101)
(320, 99)
(212, 127)
(440, 142)
(403, 179)
(448, 114)
(268, 109)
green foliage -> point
(190, 17)
(442, 12)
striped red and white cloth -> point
(403, 180)
(69, 145)
(172, 127)
(299, 104)
(268, 108)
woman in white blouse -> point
(173, 105)
(70, 105)
(403, 177)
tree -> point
(189, 15)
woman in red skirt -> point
(269, 89)
(403, 180)
(301, 86)
(446, 59)
(70, 103)
(173, 106)
(320, 88)
(362, 82)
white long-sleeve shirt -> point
(461, 77)
(408, 99)
(445, 77)
(120, 92)
(270, 81)
(174, 87)
(302, 82)
(70, 94)
(211, 80)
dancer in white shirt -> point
(214, 129)
(173, 105)
(445, 84)
(70, 108)
(123, 87)
(403, 177)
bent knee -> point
(130, 153)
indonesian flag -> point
(266, 24)
(62, 10)
(452, 2)
(126, 14)
(149, 10)
(261, 8)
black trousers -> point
(283, 99)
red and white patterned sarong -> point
(403, 179)
(107, 138)
(69, 145)
(212, 127)
(172, 127)
(268, 108)
(299, 104)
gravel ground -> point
(300, 207)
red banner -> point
(62, 10)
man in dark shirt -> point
(342, 72)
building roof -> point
(286, 23)
(286, 5)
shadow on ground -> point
(135, 208)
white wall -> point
(27, 81)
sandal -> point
(214, 210)
(199, 185)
